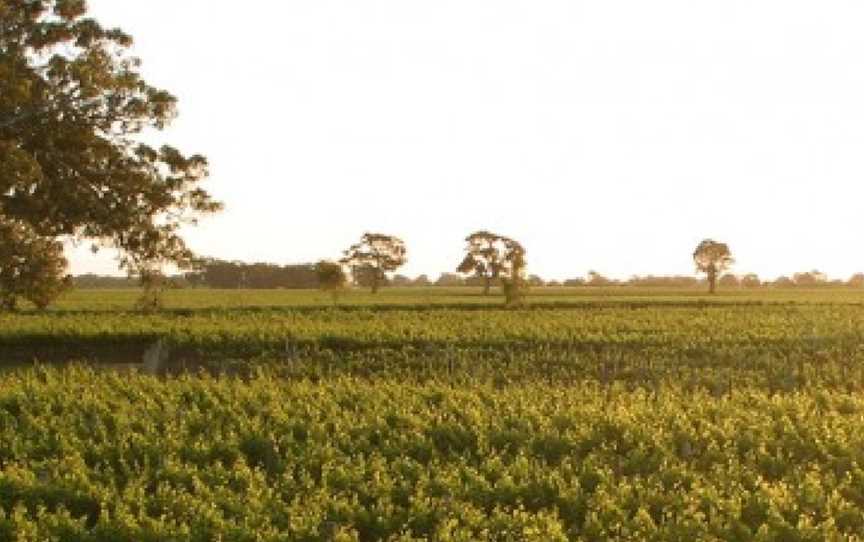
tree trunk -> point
(487, 284)
(376, 274)
(712, 282)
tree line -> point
(490, 260)
(308, 279)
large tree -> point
(72, 105)
(484, 257)
(712, 258)
(377, 252)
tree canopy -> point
(331, 276)
(712, 258)
(72, 164)
(513, 280)
(751, 280)
(375, 254)
(31, 267)
(484, 257)
(491, 257)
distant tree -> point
(712, 258)
(298, 276)
(670, 281)
(856, 280)
(221, 274)
(400, 280)
(92, 281)
(729, 281)
(331, 275)
(32, 267)
(474, 281)
(366, 276)
(596, 279)
(449, 279)
(810, 279)
(153, 284)
(422, 280)
(331, 278)
(231, 275)
(513, 280)
(751, 281)
(553, 284)
(535, 281)
(382, 253)
(194, 279)
(484, 257)
(574, 282)
(783, 282)
(262, 276)
(177, 282)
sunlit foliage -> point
(72, 103)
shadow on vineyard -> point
(598, 341)
(535, 303)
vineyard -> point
(585, 414)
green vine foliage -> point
(92, 455)
(650, 420)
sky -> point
(608, 135)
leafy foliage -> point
(95, 455)
(492, 257)
(377, 252)
(223, 274)
(71, 105)
(514, 282)
(653, 418)
(801, 340)
(484, 257)
(331, 277)
(153, 284)
(712, 258)
(31, 267)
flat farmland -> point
(123, 300)
(438, 414)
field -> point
(587, 414)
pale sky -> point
(611, 135)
